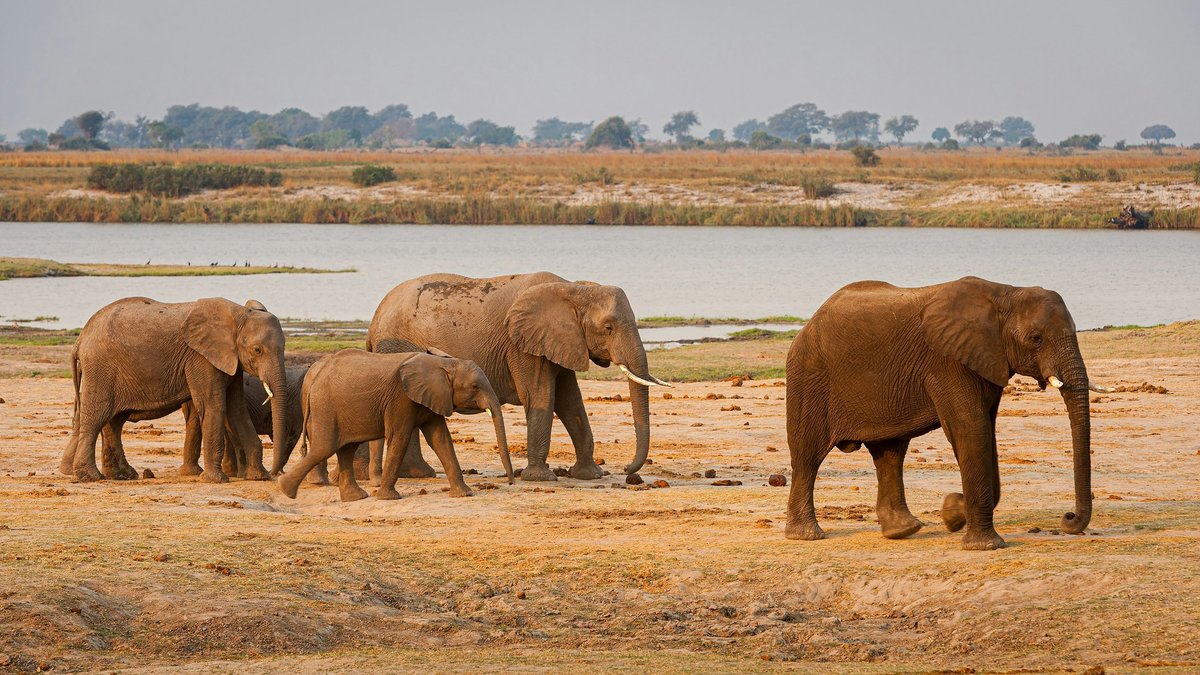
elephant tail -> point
(76, 379)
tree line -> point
(800, 126)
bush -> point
(1196, 173)
(372, 174)
(865, 155)
(950, 144)
(1112, 175)
(817, 186)
(171, 181)
(761, 140)
(1081, 174)
(441, 144)
(1085, 141)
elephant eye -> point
(1036, 338)
(608, 327)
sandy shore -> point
(173, 574)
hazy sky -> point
(1106, 67)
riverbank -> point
(169, 574)
(32, 268)
(910, 188)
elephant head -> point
(998, 330)
(448, 385)
(574, 323)
(230, 336)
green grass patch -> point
(325, 343)
(677, 321)
(25, 268)
(762, 334)
(177, 181)
(34, 337)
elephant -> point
(139, 359)
(530, 333)
(354, 396)
(880, 365)
(256, 399)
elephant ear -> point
(962, 323)
(254, 304)
(211, 331)
(427, 382)
(544, 321)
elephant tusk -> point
(488, 411)
(635, 378)
(1055, 382)
(270, 394)
(665, 384)
(1097, 388)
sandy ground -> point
(170, 574)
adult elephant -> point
(142, 359)
(530, 333)
(880, 365)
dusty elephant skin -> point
(258, 409)
(530, 334)
(142, 359)
(356, 396)
(881, 365)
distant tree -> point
(1013, 130)
(90, 123)
(353, 119)
(613, 132)
(976, 131)
(324, 140)
(391, 113)
(69, 128)
(865, 155)
(486, 132)
(266, 135)
(638, 130)
(56, 139)
(761, 140)
(716, 136)
(1158, 133)
(1084, 141)
(554, 131)
(899, 127)
(226, 127)
(745, 130)
(802, 118)
(31, 136)
(855, 125)
(294, 123)
(680, 125)
(430, 128)
(126, 134)
(163, 135)
(940, 134)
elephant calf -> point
(355, 396)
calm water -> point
(1107, 276)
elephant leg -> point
(191, 442)
(250, 467)
(84, 460)
(229, 462)
(539, 416)
(398, 444)
(568, 405)
(347, 486)
(362, 462)
(973, 438)
(209, 401)
(896, 521)
(807, 452)
(322, 445)
(116, 465)
(320, 474)
(437, 434)
(414, 465)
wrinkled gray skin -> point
(881, 365)
(356, 396)
(142, 359)
(259, 410)
(530, 333)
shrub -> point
(170, 181)
(1112, 175)
(441, 144)
(372, 174)
(817, 186)
(1196, 173)
(1081, 174)
(950, 144)
(761, 140)
(865, 155)
(1085, 141)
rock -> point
(637, 487)
(777, 480)
(486, 486)
(634, 479)
(561, 472)
(667, 396)
(161, 557)
(649, 461)
(710, 473)
(5, 659)
(520, 595)
(472, 472)
(771, 448)
(660, 484)
(600, 461)
(2, 401)
(726, 481)
(147, 474)
(1034, 530)
(423, 491)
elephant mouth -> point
(603, 363)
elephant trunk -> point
(494, 411)
(639, 397)
(280, 393)
(1075, 395)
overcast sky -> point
(1099, 66)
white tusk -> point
(1055, 382)
(637, 379)
(270, 394)
(1099, 389)
(665, 384)
(488, 411)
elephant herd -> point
(877, 365)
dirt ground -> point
(170, 574)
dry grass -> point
(25, 268)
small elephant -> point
(355, 396)
(255, 395)
(881, 365)
(142, 359)
(530, 333)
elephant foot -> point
(88, 474)
(353, 493)
(899, 526)
(538, 473)
(954, 512)
(982, 540)
(214, 476)
(256, 473)
(190, 470)
(461, 491)
(386, 493)
(585, 470)
(319, 476)
(421, 470)
(289, 484)
(121, 472)
(809, 531)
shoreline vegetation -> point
(823, 188)
(31, 268)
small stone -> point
(1115, 497)
(32, 473)
(2, 401)
(1034, 530)
(423, 491)
(777, 480)
(725, 482)
(771, 448)
(660, 483)
(561, 472)
(600, 461)
(649, 461)
(637, 487)
(634, 479)
(147, 474)
(697, 424)
(161, 557)
(5, 659)
(520, 595)
(486, 486)
(471, 472)
(666, 396)
(710, 473)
